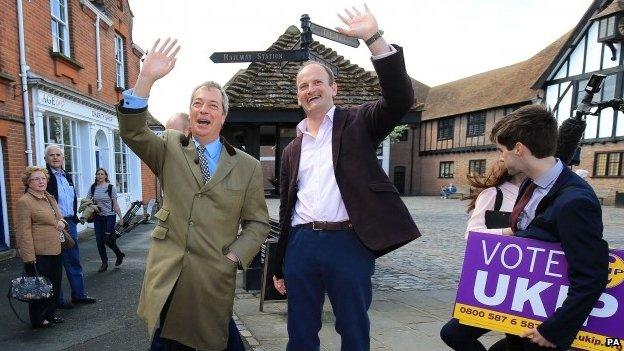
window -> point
(119, 62)
(122, 172)
(60, 29)
(609, 164)
(63, 132)
(446, 169)
(476, 124)
(445, 129)
(509, 109)
(476, 167)
(607, 28)
(598, 126)
(403, 135)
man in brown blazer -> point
(338, 209)
(211, 188)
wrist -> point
(371, 38)
(143, 86)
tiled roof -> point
(615, 6)
(500, 87)
(271, 85)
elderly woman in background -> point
(39, 226)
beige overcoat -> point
(197, 225)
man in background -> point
(180, 122)
(62, 188)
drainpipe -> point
(99, 17)
(24, 75)
(97, 50)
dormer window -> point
(606, 29)
(610, 22)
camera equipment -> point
(572, 129)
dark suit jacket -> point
(570, 214)
(52, 188)
(379, 216)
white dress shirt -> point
(485, 202)
(318, 198)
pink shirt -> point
(318, 198)
(485, 201)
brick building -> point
(452, 138)
(62, 77)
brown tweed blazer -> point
(36, 226)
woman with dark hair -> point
(491, 203)
(104, 195)
(39, 229)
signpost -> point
(261, 56)
(296, 55)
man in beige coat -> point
(211, 188)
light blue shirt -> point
(213, 153)
(133, 102)
(66, 193)
(544, 184)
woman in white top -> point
(460, 336)
(484, 198)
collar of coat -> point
(37, 195)
(185, 141)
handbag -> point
(496, 219)
(69, 242)
(29, 288)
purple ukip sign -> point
(512, 284)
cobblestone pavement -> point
(434, 261)
(413, 287)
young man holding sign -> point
(556, 205)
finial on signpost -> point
(306, 33)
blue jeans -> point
(73, 268)
(335, 262)
(104, 225)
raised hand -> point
(159, 61)
(361, 25)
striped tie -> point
(203, 162)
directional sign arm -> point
(260, 56)
(333, 35)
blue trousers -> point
(105, 225)
(335, 262)
(73, 268)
